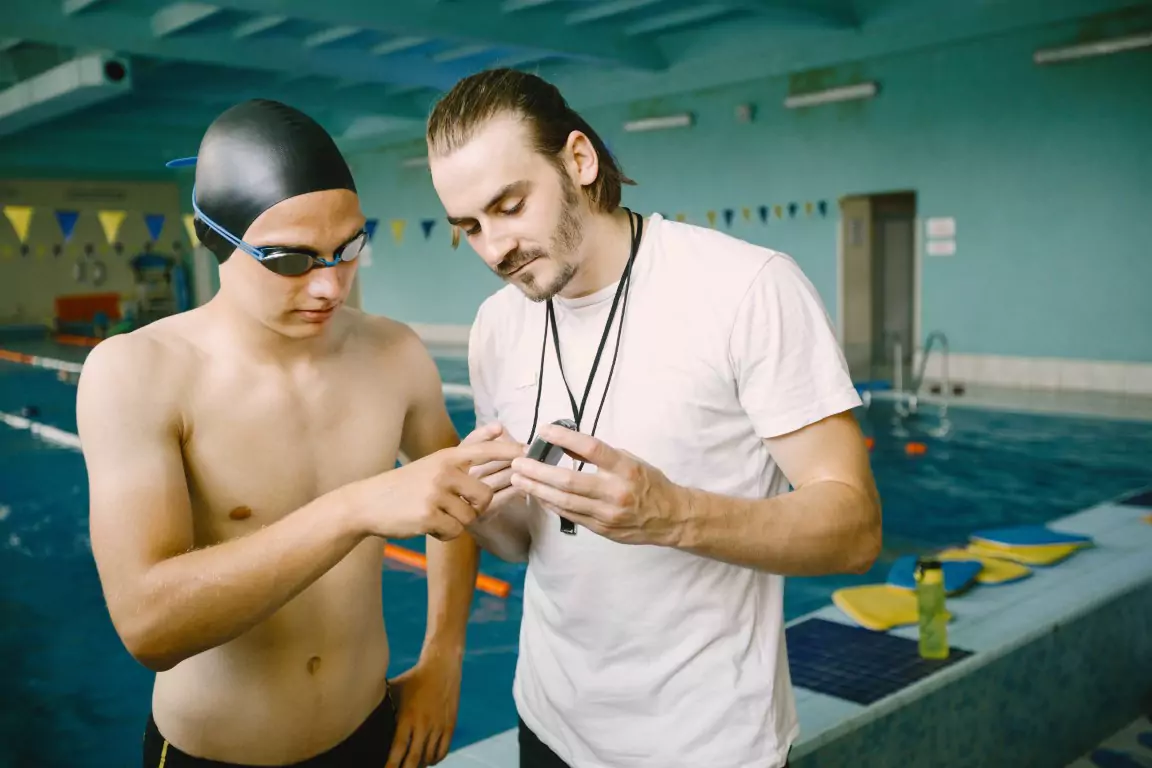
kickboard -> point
(1049, 554)
(878, 607)
(1028, 536)
(958, 574)
(994, 570)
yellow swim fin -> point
(878, 607)
(993, 570)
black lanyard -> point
(636, 229)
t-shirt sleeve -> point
(790, 370)
(481, 358)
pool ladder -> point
(908, 402)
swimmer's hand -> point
(503, 530)
(433, 496)
(427, 700)
(497, 475)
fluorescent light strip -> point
(846, 93)
(1100, 48)
(659, 123)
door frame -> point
(917, 272)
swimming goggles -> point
(289, 261)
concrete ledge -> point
(1062, 659)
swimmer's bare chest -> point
(263, 443)
(260, 443)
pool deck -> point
(1097, 603)
(991, 621)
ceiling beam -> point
(178, 17)
(76, 6)
(833, 14)
(606, 10)
(258, 26)
(133, 35)
(331, 35)
(678, 18)
(542, 29)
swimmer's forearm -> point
(822, 528)
(204, 598)
(452, 568)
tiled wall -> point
(1040, 373)
(1043, 704)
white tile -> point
(1045, 374)
(1079, 376)
(1138, 379)
(1014, 372)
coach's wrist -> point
(684, 510)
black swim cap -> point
(255, 155)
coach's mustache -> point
(516, 259)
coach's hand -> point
(626, 499)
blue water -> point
(72, 695)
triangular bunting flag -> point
(190, 227)
(370, 227)
(21, 218)
(746, 213)
(822, 206)
(779, 210)
(111, 221)
(729, 214)
(155, 222)
(681, 217)
(807, 209)
(398, 230)
(427, 225)
(711, 218)
(763, 214)
(792, 210)
(67, 221)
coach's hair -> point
(460, 113)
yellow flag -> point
(398, 229)
(808, 208)
(111, 221)
(190, 226)
(681, 217)
(21, 218)
(747, 212)
(711, 218)
(779, 209)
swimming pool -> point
(73, 696)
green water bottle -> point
(933, 613)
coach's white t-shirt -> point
(643, 655)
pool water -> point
(73, 696)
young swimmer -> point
(241, 467)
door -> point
(893, 253)
(877, 284)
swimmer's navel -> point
(313, 665)
(240, 513)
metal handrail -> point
(912, 397)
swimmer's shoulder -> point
(155, 363)
(388, 343)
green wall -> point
(1047, 170)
